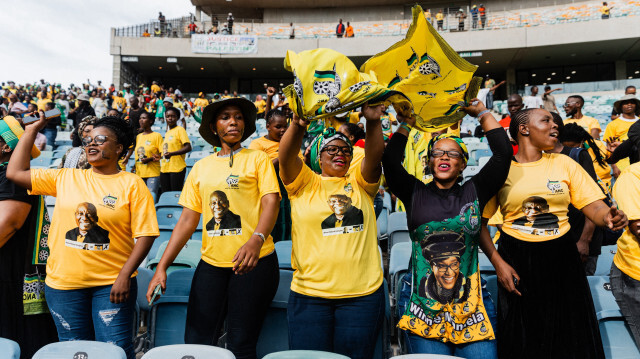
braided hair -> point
(520, 118)
(274, 113)
(121, 128)
(354, 130)
(575, 133)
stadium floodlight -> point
(548, 78)
(172, 60)
(533, 75)
(159, 67)
(553, 74)
(637, 72)
(573, 72)
(568, 77)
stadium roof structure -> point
(208, 5)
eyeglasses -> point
(566, 104)
(333, 150)
(442, 268)
(98, 139)
(450, 154)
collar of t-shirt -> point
(629, 119)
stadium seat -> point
(386, 201)
(483, 161)
(383, 345)
(198, 154)
(46, 154)
(143, 278)
(189, 256)
(382, 222)
(470, 171)
(398, 265)
(169, 199)
(191, 161)
(90, 349)
(304, 354)
(165, 235)
(169, 312)
(40, 162)
(397, 229)
(485, 264)
(283, 250)
(9, 348)
(603, 267)
(425, 356)
(603, 300)
(491, 286)
(188, 351)
(168, 216)
(274, 335)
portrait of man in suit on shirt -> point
(344, 213)
(223, 218)
(88, 230)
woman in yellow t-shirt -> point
(277, 124)
(337, 300)
(236, 191)
(147, 149)
(574, 135)
(93, 255)
(175, 146)
(543, 283)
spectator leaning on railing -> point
(340, 29)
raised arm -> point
(19, 170)
(400, 182)
(290, 163)
(604, 216)
(373, 144)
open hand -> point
(247, 256)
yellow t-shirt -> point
(605, 10)
(415, 154)
(618, 128)
(265, 145)
(439, 16)
(586, 122)
(535, 198)
(354, 116)
(174, 139)
(603, 172)
(261, 105)
(119, 103)
(42, 104)
(200, 102)
(627, 192)
(155, 88)
(236, 193)
(147, 146)
(334, 257)
(356, 159)
(114, 208)
(456, 131)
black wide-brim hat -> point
(247, 108)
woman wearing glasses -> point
(90, 285)
(442, 307)
(337, 300)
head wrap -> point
(458, 140)
(11, 131)
(89, 120)
(320, 142)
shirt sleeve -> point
(184, 138)
(43, 181)
(400, 182)
(305, 179)
(627, 191)
(144, 222)
(490, 208)
(608, 131)
(190, 196)
(255, 145)
(266, 174)
(594, 124)
(582, 188)
(370, 188)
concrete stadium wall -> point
(331, 15)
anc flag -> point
(429, 72)
(327, 83)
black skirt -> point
(554, 317)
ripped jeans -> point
(88, 314)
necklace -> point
(230, 155)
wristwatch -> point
(259, 235)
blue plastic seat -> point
(397, 229)
(399, 258)
(382, 222)
(198, 154)
(283, 250)
(169, 312)
(491, 286)
(191, 161)
(605, 259)
(485, 264)
(425, 356)
(40, 162)
(188, 351)
(304, 354)
(386, 201)
(92, 350)
(165, 235)
(189, 256)
(143, 278)
(9, 349)
(168, 216)
(169, 199)
(274, 336)
(603, 300)
(617, 339)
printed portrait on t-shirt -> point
(537, 219)
(88, 235)
(224, 221)
(141, 153)
(165, 149)
(345, 218)
(445, 284)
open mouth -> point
(554, 134)
(448, 279)
(444, 167)
(339, 161)
(93, 151)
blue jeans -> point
(50, 134)
(153, 183)
(626, 290)
(346, 326)
(88, 314)
(486, 349)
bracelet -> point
(482, 113)
(259, 235)
(405, 126)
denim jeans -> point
(626, 290)
(50, 134)
(486, 349)
(346, 326)
(88, 314)
(153, 183)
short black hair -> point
(174, 109)
(547, 88)
(151, 116)
(355, 131)
(121, 128)
(579, 98)
(273, 113)
(629, 87)
(50, 105)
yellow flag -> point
(326, 83)
(429, 72)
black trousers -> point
(217, 293)
(172, 181)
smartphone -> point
(47, 114)
(156, 293)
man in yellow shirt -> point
(155, 88)
(605, 10)
(201, 101)
(616, 132)
(573, 108)
(440, 19)
(43, 99)
(261, 105)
